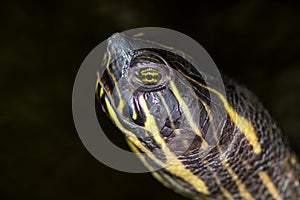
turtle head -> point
(148, 94)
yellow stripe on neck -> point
(240, 185)
(242, 123)
(269, 185)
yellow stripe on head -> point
(101, 92)
(121, 103)
(134, 114)
(167, 110)
(129, 135)
(150, 124)
(186, 111)
(174, 165)
(242, 123)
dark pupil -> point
(149, 76)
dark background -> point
(43, 43)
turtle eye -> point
(148, 76)
(148, 72)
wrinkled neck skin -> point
(231, 169)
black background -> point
(44, 42)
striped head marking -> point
(146, 95)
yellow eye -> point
(148, 72)
(148, 76)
